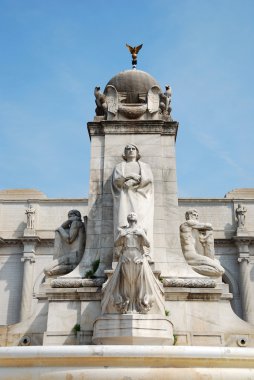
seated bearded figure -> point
(69, 245)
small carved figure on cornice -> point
(168, 94)
(101, 103)
(30, 214)
(69, 245)
(165, 102)
(240, 215)
(198, 245)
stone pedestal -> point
(29, 232)
(200, 316)
(136, 329)
(242, 232)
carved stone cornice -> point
(243, 239)
(9, 242)
(47, 242)
(234, 239)
(30, 239)
(105, 127)
(223, 241)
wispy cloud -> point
(214, 145)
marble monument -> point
(131, 266)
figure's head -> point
(191, 214)
(132, 217)
(74, 215)
(131, 151)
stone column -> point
(27, 288)
(246, 286)
(155, 140)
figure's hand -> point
(66, 224)
(209, 226)
(125, 259)
(139, 232)
(123, 232)
(76, 224)
(138, 261)
(136, 177)
(130, 183)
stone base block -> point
(133, 329)
(29, 232)
(242, 232)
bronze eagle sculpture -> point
(134, 53)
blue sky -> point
(54, 52)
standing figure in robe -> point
(240, 215)
(133, 287)
(132, 190)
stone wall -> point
(50, 214)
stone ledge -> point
(133, 127)
(192, 294)
(126, 356)
(71, 294)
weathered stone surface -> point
(199, 307)
(134, 329)
(113, 363)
